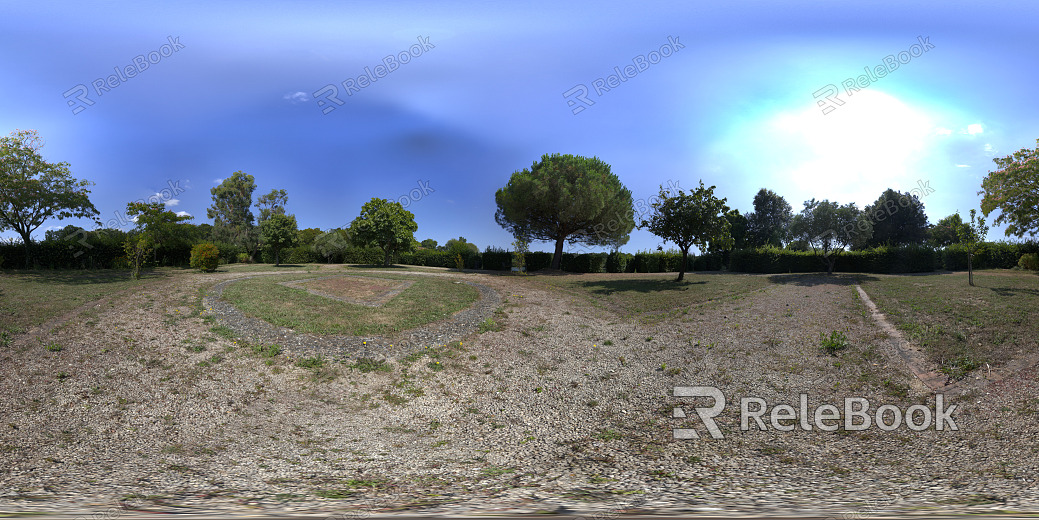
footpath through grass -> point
(427, 300)
(29, 298)
(653, 296)
(963, 327)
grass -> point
(962, 327)
(427, 300)
(654, 296)
(30, 298)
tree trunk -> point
(558, 257)
(386, 259)
(681, 269)
(277, 257)
(830, 261)
(27, 240)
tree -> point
(897, 219)
(829, 227)
(272, 203)
(738, 229)
(768, 224)
(33, 190)
(306, 237)
(428, 243)
(334, 243)
(1014, 190)
(460, 246)
(156, 227)
(696, 219)
(233, 221)
(947, 231)
(971, 235)
(566, 198)
(277, 232)
(384, 224)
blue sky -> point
(482, 95)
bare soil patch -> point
(370, 292)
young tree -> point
(156, 227)
(33, 190)
(233, 220)
(897, 219)
(1014, 190)
(767, 225)
(384, 224)
(277, 232)
(828, 228)
(566, 198)
(696, 219)
(971, 236)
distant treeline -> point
(103, 249)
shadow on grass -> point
(1013, 291)
(608, 287)
(813, 279)
(80, 277)
(374, 266)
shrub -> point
(205, 257)
(243, 258)
(1029, 261)
(836, 342)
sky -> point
(825, 100)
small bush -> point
(205, 257)
(243, 258)
(1029, 261)
(836, 342)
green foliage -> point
(386, 225)
(566, 198)
(137, 248)
(1014, 190)
(897, 219)
(885, 259)
(769, 222)
(1029, 261)
(428, 243)
(233, 219)
(835, 343)
(460, 246)
(828, 228)
(33, 191)
(205, 257)
(277, 232)
(243, 258)
(272, 204)
(333, 245)
(459, 263)
(694, 219)
(947, 231)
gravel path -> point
(566, 409)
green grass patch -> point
(425, 301)
(366, 365)
(30, 298)
(962, 327)
(653, 296)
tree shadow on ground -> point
(1014, 291)
(813, 279)
(608, 287)
(375, 266)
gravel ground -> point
(568, 408)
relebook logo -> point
(827, 417)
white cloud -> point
(172, 202)
(296, 97)
(183, 214)
(963, 166)
(973, 129)
(217, 181)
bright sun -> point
(853, 153)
